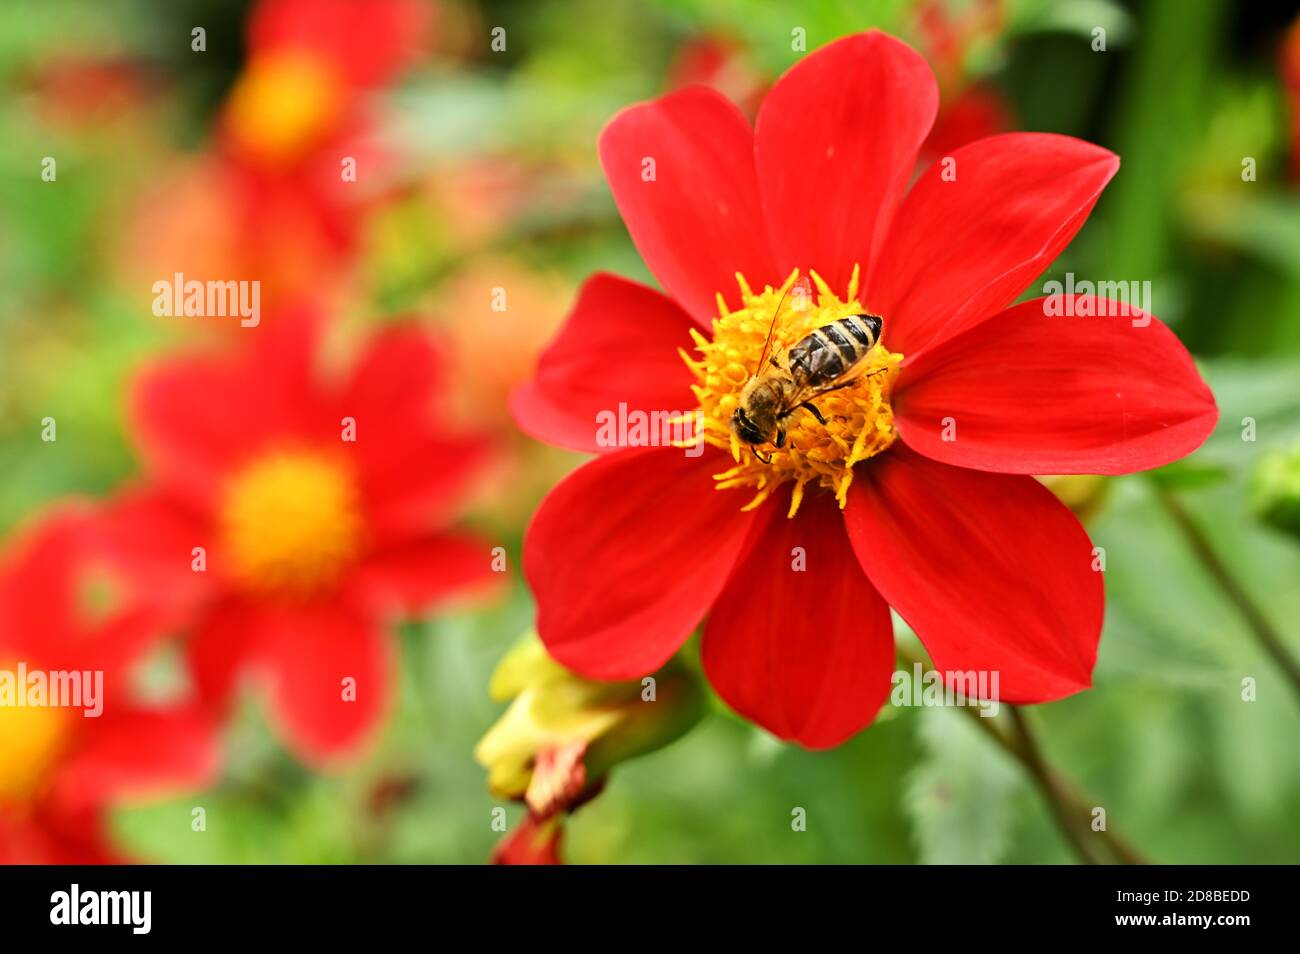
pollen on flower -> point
(282, 103)
(859, 419)
(31, 740)
(291, 522)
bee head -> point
(746, 429)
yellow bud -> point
(562, 733)
(1082, 493)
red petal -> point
(151, 536)
(413, 476)
(619, 346)
(807, 654)
(139, 753)
(698, 222)
(306, 653)
(47, 836)
(183, 425)
(991, 571)
(42, 619)
(533, 841)
(120, 640)
(36, 589)
(223, 647)
(422, 494)
(390, 394)
(962, 250)
(416, 576)
(835, 144)
(627, 554)
(198, 417)
(1029, 393)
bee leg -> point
(776, 364)
(846, 384)
(810, 406)
(754, 450)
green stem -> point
(1071, 802)
(1060, 802)
(1259, 625)
(1070, 807)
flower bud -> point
(554, 746)
(1082, 493)
(563, 733)
(533, 842)
(1275, 490)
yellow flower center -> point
(282, 104)
(859, 419)
(291, 522)
(31, 740)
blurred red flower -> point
(301, 102)
(724, 63)
(976, 112)
(630, 552)
(59, 769)
(320, 504)
(273, 201)
(967, 110)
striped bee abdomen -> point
(830, 351)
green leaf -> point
(960, 796)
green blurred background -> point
(499, 185)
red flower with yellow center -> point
(59, 769)
(294, 513)
(310, 65)
(276, 200)
(916, 492)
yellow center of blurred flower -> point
(859, 419)
(291, 522)
(282, 104)
(31, 740)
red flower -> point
(320, 506)
(630, 552)
(275, 201)
(975, 113)
(59, 768)
(724, 63)
(310, 65)
(967, 110)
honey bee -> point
(820, 362)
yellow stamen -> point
(31, 740)
(291, 521)
(282, 104)
(859, 419)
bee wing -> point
(850, 377)
(805, 287)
